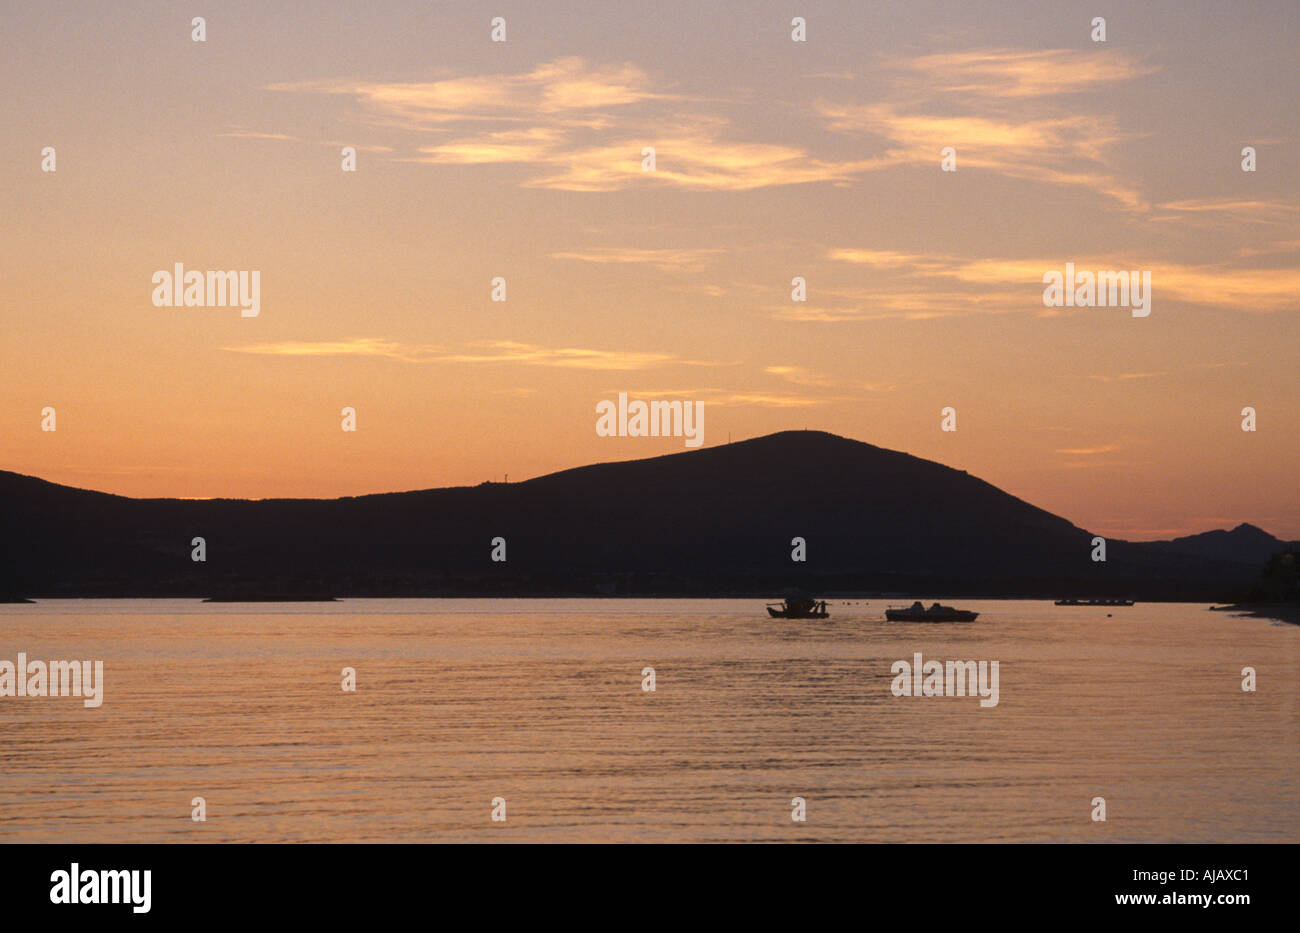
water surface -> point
(540, 702)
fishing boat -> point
(1094, 602)
(798, 608)
(936, 613)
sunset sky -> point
(774, 159)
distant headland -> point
(718, 521)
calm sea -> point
(540, 702)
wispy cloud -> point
(669, 260)
(489, 351)
(576, 125)
(911, 295)
(1011, 73)
(359, 346)
(508, 351)
(731, 397)
(1006, 284)
(829, 314)
(1228, 211)
(814, 390)
(565, 85)
(284, 137)
(800, 376)
(998, 109)
(253, 134)
(697, 158)
(557, 119)
(888, 258)
(530, 145)
(1269, 249)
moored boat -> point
(936, 613)
(798, 608)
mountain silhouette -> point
(718, 520)
(1245, 544)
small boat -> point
(257, 596)
(936, 613)
(1094, 602)
(798, 608)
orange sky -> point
(774, 159)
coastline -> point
(1280, 612)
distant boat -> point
(1094, 602)
(271, 598)
(798, 608)
(936, 613)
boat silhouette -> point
(798, 607)
(936, 613)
